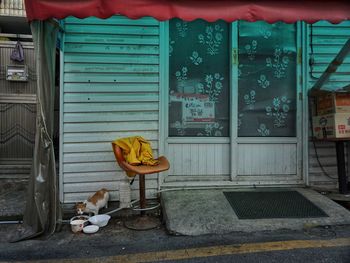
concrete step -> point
(11, 170)
(15, 166)
(14, 176)
(15, 171)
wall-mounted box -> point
(16, 73)
(333, 102)
(332, 126)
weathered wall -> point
(325, 41)
(110, 90)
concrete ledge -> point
(199, 212)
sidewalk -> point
(199, 212)
(200, 222)
(196, 212)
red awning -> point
(271, 11)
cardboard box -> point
(331, 126)
(332, 102)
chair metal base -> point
(143, 222)
(150, 205)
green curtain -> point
(42, 204)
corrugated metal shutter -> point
(17, 114)
(110, 90)
(325, 41)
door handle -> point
(234, 56)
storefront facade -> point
(225, 102)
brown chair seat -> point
(163, 165)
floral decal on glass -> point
(181, 76)
(212, 39)
(251, 49)
(263, 82)
(240, 69)
(265, 33)
(239, 121)
(263, 130)
(279, 111)
(195, 58)
(279, 63)
(213, 86)
(171, 49)
(181, 128)
(213, 129)
(182, 28)
(249, 99)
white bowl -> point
(80, 217)
(77, 223)
(99, 220)
(90, 229)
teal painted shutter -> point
(325, 41)
(110, 90)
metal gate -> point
(17, 112)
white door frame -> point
(301, 138)
(235, 140)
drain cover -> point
(272, 204)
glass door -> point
(232, 110)
(266, 142)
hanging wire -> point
(314, 143)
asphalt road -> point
(115, 243)
(305, 255)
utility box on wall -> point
(333, 102)
(332, 126)
(331, 118)
(16, 73)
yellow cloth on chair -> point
(136, 150)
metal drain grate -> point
(272, 204)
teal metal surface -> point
(324, 42)
(110, 79)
